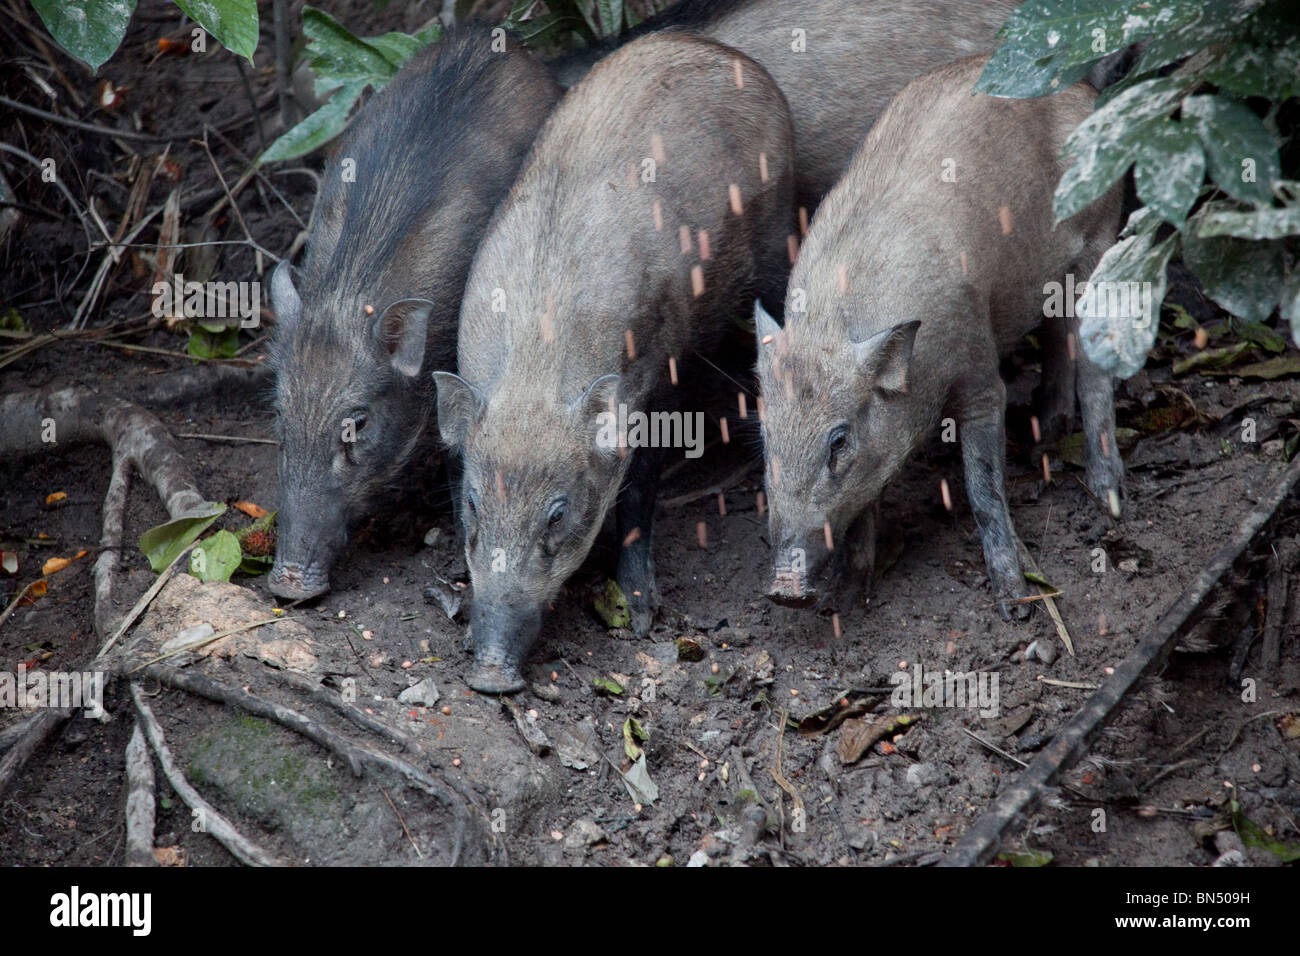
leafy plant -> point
(92, 30)
(344, 65)
(1200, 119)
(559, 23)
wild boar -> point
(657, 197)
(405, 199)
(929, 260)
(837, 61)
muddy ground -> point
(717, 727)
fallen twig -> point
(981, 840)
(139, 801)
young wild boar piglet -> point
(838, 62)
(405, 199)
(656, 198)
(925, 264)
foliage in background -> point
(565, 23)
(1198, 116)
(344, 65)
(92, 30)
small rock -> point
(422, 694)
(1044, 651)
(583, 833)
(698, 858)
(1128, 564)
(548, 692)
(922, 774)
(431, 536)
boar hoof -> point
(495, 679)
(792, 598)
(1016, 612)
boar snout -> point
(502, 637)
(797, 563)
(303, 555)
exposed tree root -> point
(139, 801)
(213, 822)
(357, 758)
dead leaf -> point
(859, 735)
(250, 509)
(55, 498)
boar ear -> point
(459, 405)
(764, 324)
(284, 297)
(600, 396)
(886, 357)
(401, 332)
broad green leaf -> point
(611, 17)
(1241, 151)
(1029, 858)
(204, 343)
(232, 22)
(216, 558)
(1242, 275)
(1213, 22)
(606, 685)
(1170, 170)
(317, 129)
(1119, 311)
(1264, 59)
(1255, 224)
(344, 65)
(1211, 358)
(1257, 333)
(162, 543)
(611, 605)
(1048, 44)
(91, 30)
(633, 736)
(1107, 142)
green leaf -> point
(232, 22)
(611, 605)
(1119, 311)
(1264, 59)
(606, 685)
(1252, 834)
(91, 30)
(1276, 367)
(1216, 20)
(1256, 333)
(1050, 43)
(1170, 170)
(217, 558)
(1211, 358)
(633, 735)
(1107, 142)
(317, 129)
(163, 542)
(1241, 151)
(1030, 858)
(344, 65)
(1241, 275)
(206, 344)
(1269, 223)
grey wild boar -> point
(929, 261)
(837, 61)
(406, 197)
(657, 197)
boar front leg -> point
(852, 570)
(635, 512)
(1055, 396)
(1105, 467)
(983, 452)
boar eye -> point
(558, 510)
(838, 438)
(358, 420)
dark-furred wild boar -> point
(930, 259)
(405, 199)
(657, 197)
(837, 61)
